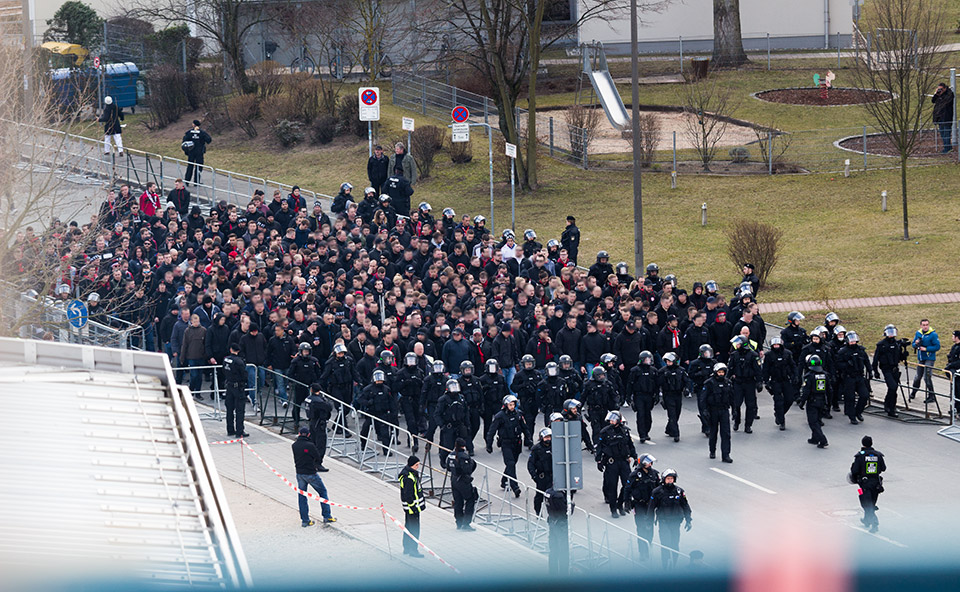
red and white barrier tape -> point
(339, 505)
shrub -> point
(650, 136)
(323, 130)
(279, 107)
(244, 110)
(754, 242)
(305, 93)
(739, 154)
(427, 141)
(268, 77)
(290, 133)
(461, 152)
(582, 125)
(348, 116)
(167, 99)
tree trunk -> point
(727, 40)
(903, 195)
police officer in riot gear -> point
(817, 346)
(571, 376)
(304, 369)
(793, 335)
(461, 468)
(600, 398)
(572, 412)
(527, 383)
(434, 386)
(668, 504)
(339, 376)
(853, 367)
(865, 471)
(409, 387)
(653, 274)
(717, 398)
(602, 268)
(319, 410)
(779, 375)
(640, 485)
(235, 374)
(379, 401)
(473, 395)
(672, 380)
(745, 373)
(815, 393)
(699, 371)
(509, 427)
(614, 377)
(452, 417)
(615, 453)
(553, 392)
(494, 388)
(540, 467)
(643, 391)
(886, 359)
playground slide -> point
(610, 99)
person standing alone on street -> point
(411, 494)
(112, 129)
(943, 114)
(194, 145)
(640, 485)
(865, 472)
(307, 460)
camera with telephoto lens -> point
(904, 343)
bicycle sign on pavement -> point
(460, 114)
(369, 103)
(77, 314)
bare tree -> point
(727, 39)
(908, 63)
(582, 125)
(319, 26)
(756, 242)
(651, 132)
(706, 107)
(225, 22)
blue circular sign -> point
(369, 97)
(77, 314)
(460, 114)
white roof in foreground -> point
(105, 474)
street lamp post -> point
(635, 123)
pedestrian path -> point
(810, 305)
(469, 552)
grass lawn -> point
(837, 243)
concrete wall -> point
(792, 23)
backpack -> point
(187, 147)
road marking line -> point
(744, 481)
(875, 535)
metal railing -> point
(80, 154)
(593, 540)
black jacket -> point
(592, 346)
(643, 382)
(304, 369)
(254, 349)
(718, 392)
(639, 488)
(399, 190)
(508, 427)
(778, 366)
(377, 170)
(887, 354)
(280, 352)
(745, 365)
(540, 465)
(627, 347)
(943, 106)
(669, 504)
(867, 466)
(200, 140)
(306, 457)
(111, 118)
(411, 493)
(614, 444)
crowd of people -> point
(436, 320)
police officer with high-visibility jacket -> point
(509, 427)
(815, 394)
(411, 494)
(865, 471)
(615, 453)
(235, 373)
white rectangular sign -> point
(407, 124)
(369, 98)
(461, 132)
(510, 149)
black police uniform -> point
(527, 384)
(574, 382)
(378, 400)
(473, 395)
(433, 388)
(672, 380)
(600, 398)
(853, 368)
(886, 359)
(464, 493)
(584, 434)
(614, 450)
(826, 358)
(494, 389)
(717, 396)
(410, 386)
(235, 373)
(509, 428)
(306, 370)
(815, 394)
(643, 391)
(540, 467)
(794, 338)
(865, 470)
(451, 416)
(552, 395)
(637, 493)
(338, 377)
(699, 371)
(779, 371)
(669, 505)
(319, 410)
(745, 374)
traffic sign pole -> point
(511, 150)
(369, 139)
(369, 99)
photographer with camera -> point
(888, 356)
(943, 114)
(926, 343)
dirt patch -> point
(927, 146)
(812, 96)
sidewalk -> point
(470, 552)
(808, 305)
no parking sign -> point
(369, 103)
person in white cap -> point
(110, 118)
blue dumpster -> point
(120, 82)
